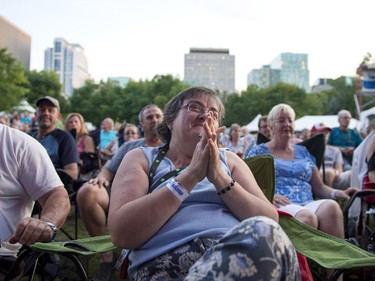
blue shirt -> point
(344, 138)
(292, 176)
(106, 138)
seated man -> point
(93, 196)
(27, 175)
(60, 145)
(334, 174)
(344, 138)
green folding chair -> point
(328, 251)
(70, 249)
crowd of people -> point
(174, 187)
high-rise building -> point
(212, 68)
(69, 62)
(16, 41)
(264, 77)
(287, 67)
(294, 69)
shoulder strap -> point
(155, 165)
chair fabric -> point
(328, 251)
(84, 246)
(263, 169)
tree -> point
(12, 81)
(45, 83)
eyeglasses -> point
(131, 133)
(285, 122)
(197, 108)
(346, 117)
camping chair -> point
(72, 187)
(327, 251)
(69, 249)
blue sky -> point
(143, 38)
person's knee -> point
(85, 193)
(308, 218)
(330, 210)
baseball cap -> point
(320, 128)
(52, 100)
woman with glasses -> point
(191, 211)
(127, 132)
(297, 177)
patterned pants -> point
(256, 249)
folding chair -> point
(69, 249)
(327, 251)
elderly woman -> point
(234, 142)
(205, 218)
(297, 177)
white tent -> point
(365, 117)
(24, 106)
(308, 121)
(253, 125)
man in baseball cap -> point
(60, 145)
(52, 100)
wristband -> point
(178, 190)
(333, 194)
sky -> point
(144, 38)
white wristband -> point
(178, 190)
(333, 194)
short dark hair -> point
(262, 119)
(174, 105)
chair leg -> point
(336, 274)
(80, 268)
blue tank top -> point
(202, 214)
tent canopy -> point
(308, 121)
(253, 125)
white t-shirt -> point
(26, 174)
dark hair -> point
(174, 105)
(262, 119)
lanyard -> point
(155, 165)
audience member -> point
(27, 175)
(334, 174)
(305, 134)
(206, 214)
(233, 140)
(60, 145)
(107, 134)
(297, 177)
(263, 127)
(344, 138)
(93, 196)
(75, 124)
(129, 132)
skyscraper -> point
(289, 68)
(16, 41)
(212, 68)
(69, 62)
(294, 69)
(264, 77)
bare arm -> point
(321, 190)
(89, 144)
(55, 208)
(141, 216)
(72, 170)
